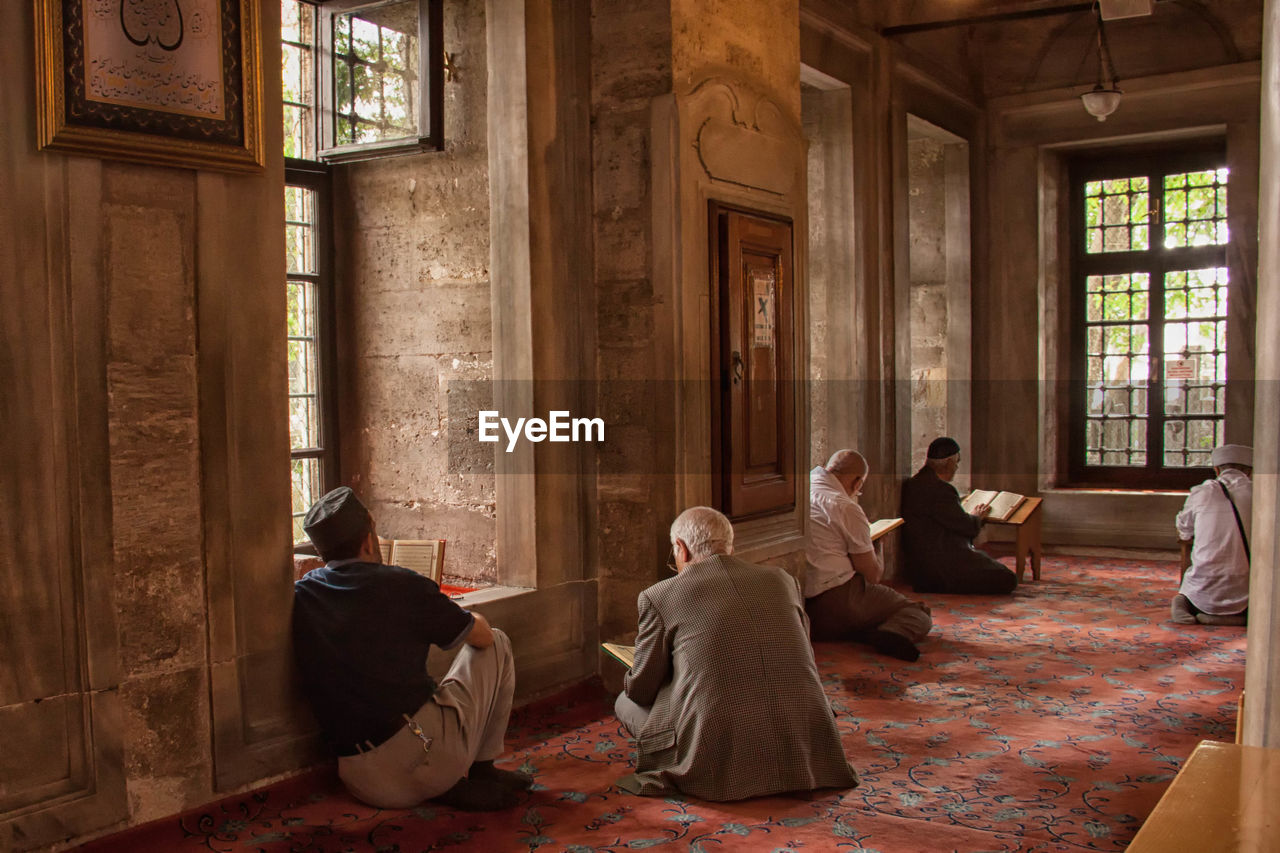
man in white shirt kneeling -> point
(843, 594)
(1215, 588)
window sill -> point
(356, 153)
(489, 594)
(1110, 490)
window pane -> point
(301, 316)
(302, 377)
(300, 226)
(1118, 365)
(1140, 306)
(289, 20)
(1138, 404)
(1195, 209)
(1200, 437)
(1141, 236)
(303, 357)
(1122, 307)
(376, 73)
(1117, 215)
(304, 423)
(306, 491)
(1201, 400)
(298, 128)
(1116, 306)
(1195, 358)
(298, 77)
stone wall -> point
(416, 335)
(815, 118)
(630, 66)
(144, 515)
(927, 216)
(757, 40)
(148, 219)
(642, 51)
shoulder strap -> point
(1239, 523)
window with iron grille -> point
(383, 84)
(298, 73)
(309, 285)
(1149, 318)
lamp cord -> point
(1104, 52)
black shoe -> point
(509, 779)
(478, 795)
(893, 645)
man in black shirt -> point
(361, 632)
(938, 534)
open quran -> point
(424, 556)
(625, 655)
(881, 526)
(1003, 504)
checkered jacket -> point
(723, 659)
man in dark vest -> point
(938, 534)
(361, 632)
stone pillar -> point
(1262, 672)
(654, 62)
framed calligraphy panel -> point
(170, 82)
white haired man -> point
(843, 594)
(1215, 588)
(724, 699)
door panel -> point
(753, 337)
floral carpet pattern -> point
(1051, 720)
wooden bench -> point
(1225, 798)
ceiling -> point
(905, 16)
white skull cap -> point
(1229, 454)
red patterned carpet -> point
(1051, 721)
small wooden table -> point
(1223, 800)
(1026, 520)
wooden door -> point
(753, 340)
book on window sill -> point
(625, 655)
(424, 556)
(881, 526)
(1003, 504)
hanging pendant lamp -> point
(1103, 99)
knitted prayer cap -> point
(336, 519)
(1231, 454)
(941, 448)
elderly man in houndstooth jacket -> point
(724, 699)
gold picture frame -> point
(166, 82)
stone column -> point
(1262, 672)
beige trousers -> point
(466, 720)
(856, 605)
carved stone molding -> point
(744, 138)
(725, 141)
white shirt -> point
(1218, 580)
(838, 528)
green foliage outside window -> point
(376, 74)
(1185, 310)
